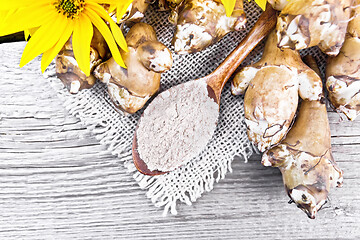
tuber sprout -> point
(272, 87)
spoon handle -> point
(266, 22)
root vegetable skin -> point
(68, 71)
(306, 23)
(278, 4)
(130, 88)
(200, 23)
(165, 5)
(272, 87)
(343, 72)
(305, 160)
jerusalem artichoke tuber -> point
(273, 85)
(305, 160)
(278, 4)
(131, 88)
(201, 23)
(67, 69)
(306, 23)
(343, 71)
(165, 5)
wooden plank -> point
(57, 181)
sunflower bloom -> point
(56, 21)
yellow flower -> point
(56, 21)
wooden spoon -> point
(217, 79)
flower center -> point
(70, 8)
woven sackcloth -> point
(115, 130)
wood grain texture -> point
(58, 182)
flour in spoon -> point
(176, 126)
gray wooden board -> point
(58, 182)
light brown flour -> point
(176, 126)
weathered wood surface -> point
(58, 182)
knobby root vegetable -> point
(200, 23)
(272, 87)
(306, 23)
(305, 159)
(131, 88)
(174, 7)
(343, 72)
(278, 4)
(67, 69)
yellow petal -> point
(3, 16)
(229, 6)
(111, 8)
(29, 32)
(261, 3)
(106, 1)
(121, 10)
(82, 35)
(43, 39)
(8, 5)
(26, 18)
(33, 30)
(116, 32)
(105, 32)
(26, 34)
(50, 54)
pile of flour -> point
(176, 126)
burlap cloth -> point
(115, 130)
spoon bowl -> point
(216, 80)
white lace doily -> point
(115, 130)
